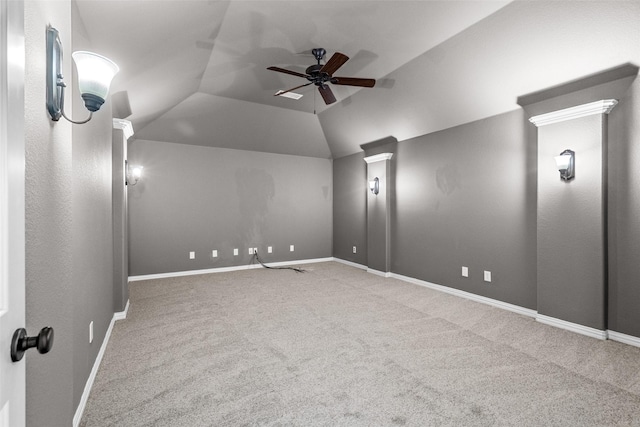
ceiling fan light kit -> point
(320, 75)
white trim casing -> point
(96, 365)
(350, 263)
(386, 274)
(598, 107)
(121, 315)
(573, 327)
(378, 157)
(468, 295)
(125, 125)
(225, 269)
(624, 338)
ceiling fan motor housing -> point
(314, 75)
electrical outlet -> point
(255, 251)
(192, 255)
(90, 332)
(291, 248)
(465, 271)
(235, 252)
(487, 276)
(270, 249)
(354, 249)
(214, 253)
(250, 251)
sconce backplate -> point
(54, 73)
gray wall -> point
(457, 203)
(200, 199)
(350, 208)
(379, 216)
(49, 226)
(571, 223)
(120, 222)
(623, 218)
(466, 197)
(92, 228)
(68, 227)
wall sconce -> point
(566, 164)
(374, 185)
(95, 73)
(133, 174)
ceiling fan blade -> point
(337, 60)
(327, 94)
(293, 88)
(283, 70)
(353, 81)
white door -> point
(12, 210)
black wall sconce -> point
(566, 164)
(95, 73)
(374, 185)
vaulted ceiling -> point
(195, 72)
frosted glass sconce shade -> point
(566, 164)
(374, 185)
(95, 73)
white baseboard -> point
(468, 295)
(120, 315)
(225, 269)
(350, 263)
(96, 365)
(624, 338)
(386, 274)
(573, 327)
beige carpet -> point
(337, 346)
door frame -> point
(12, 204)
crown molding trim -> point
(598, 107)
(378, 157)
(125, 125)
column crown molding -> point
(125, 125)
(378, 157)
(598, 107)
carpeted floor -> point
(337, 346)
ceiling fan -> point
(320, 75)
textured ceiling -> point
(195, 71)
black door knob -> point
(21, 342)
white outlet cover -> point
(291, 248)
(270, 249)
(487, 276)
(91, 332)
(192, 255)
(250, 251)
(354, 249)
(235, 252)
(214, 253)
(465, 271)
